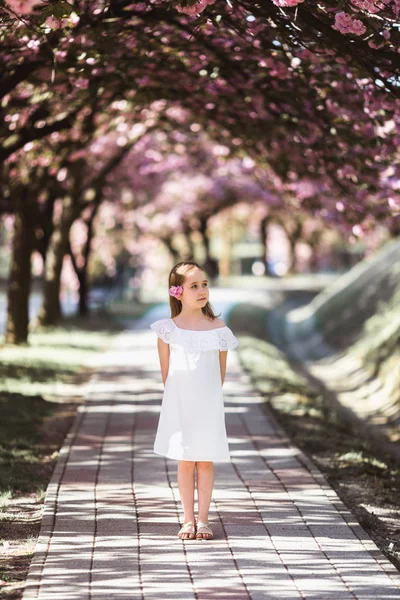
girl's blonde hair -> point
(177, 277)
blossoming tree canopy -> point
(362, 32)
(280, 91)
(356, 19)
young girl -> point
(193, 346)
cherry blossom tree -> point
(302, 90)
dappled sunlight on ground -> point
(112, 510)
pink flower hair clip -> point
(175, 291)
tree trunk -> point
(83, 279)
(83, 292)
(294, 235)
(293, 258)
(168, 243)
(314, 243)
(394, 229)
(50, 311)
(81, 273)
(264, 241)
(210, 264)
(189, 242)
(42, 243)
(20, 275)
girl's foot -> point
(204, 531)
(187, 531)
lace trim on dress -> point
(227, 340)
(164, 329)
(221, 338)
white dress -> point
(191, 425)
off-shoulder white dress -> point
(191, 425)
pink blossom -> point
(394, 203)
(195, 9)
(22, 7)
(358, 230)
(345, 24)
(82, 83)
(366, 5)
(175, 291)
(53, 22)
(287, 3)
(60, 54)
(374, 45)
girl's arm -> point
(223, 355)
(163, 355)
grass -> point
(34, 379)
(45, 365)
(367, 480)
(379, 344)
(20, 451)
(359, 313)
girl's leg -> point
(205, 484)
(186, 490)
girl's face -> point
(195, 289)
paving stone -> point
(112, 509)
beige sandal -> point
(189, 528)
(206, 529)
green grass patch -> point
(52, 355)
(35, 379)
(379, 347)
(21, 454)
(267, 365)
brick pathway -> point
(112, 509)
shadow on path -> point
(112, 509)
